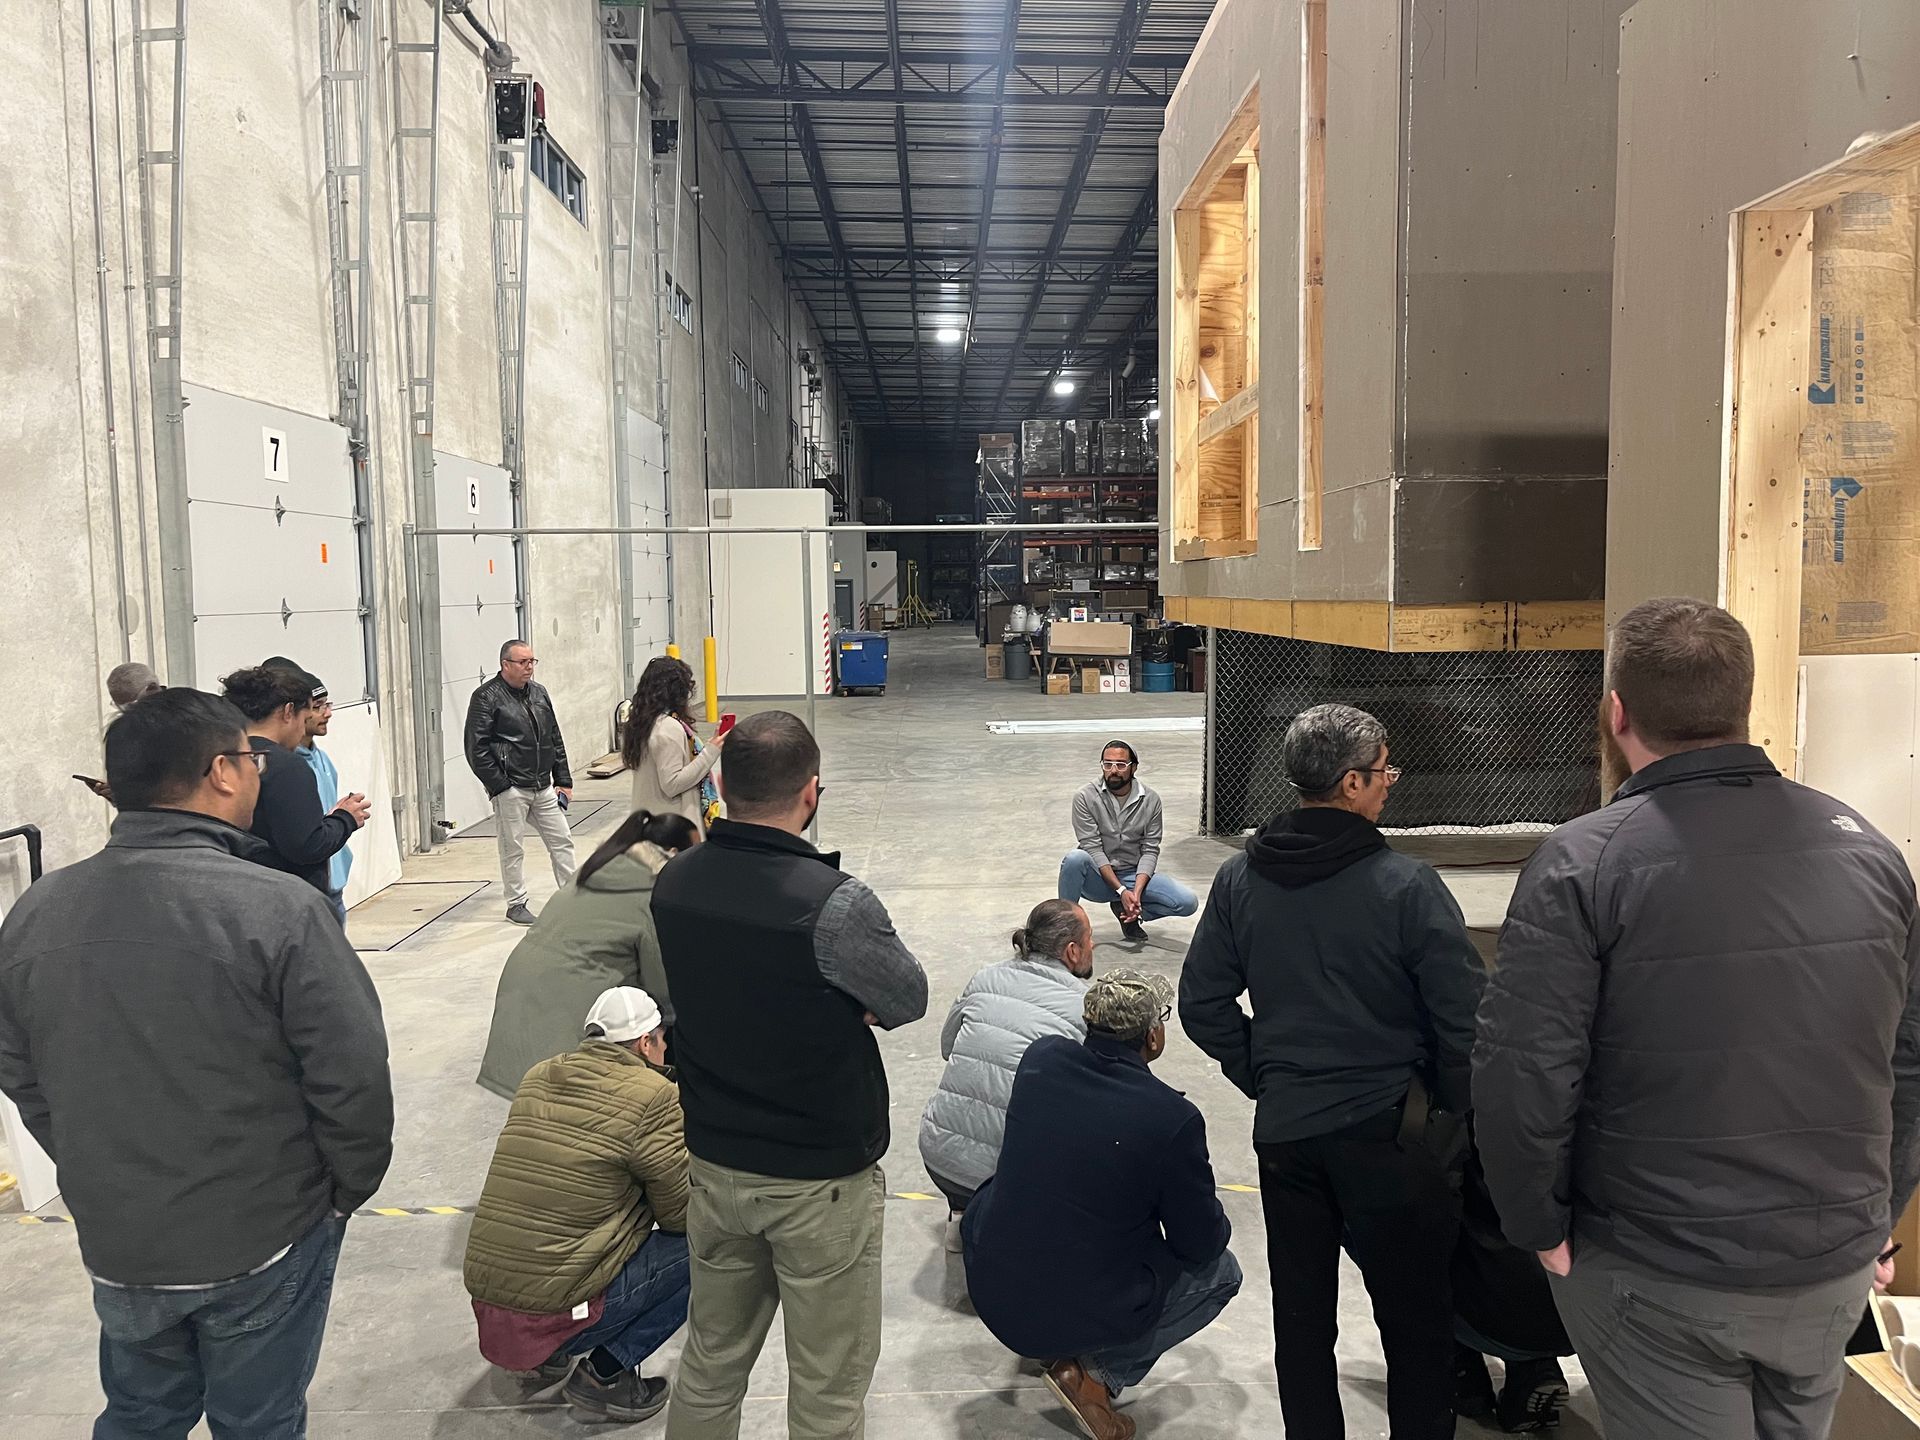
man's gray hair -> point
(509, 646)
(1325, 743)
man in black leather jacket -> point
(515, 750)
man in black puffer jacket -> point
(1697, 1082)
(1363, 984)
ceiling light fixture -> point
(1063, 386)
(947, 335)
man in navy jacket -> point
(1100, 1243)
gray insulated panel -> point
(648, 603)
(275, 567)
(1459, 541)
(478, 588)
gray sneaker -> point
(630, 1398)
(520, 914)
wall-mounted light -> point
(1063, 386)
(1154, 413)
(947, 335)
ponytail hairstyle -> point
(1051, 927)
(672, 833)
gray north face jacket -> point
(1700, 1046)
(1004, 1009)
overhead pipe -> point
(128, 289)
(497, 54)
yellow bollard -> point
(713, 680)
(673, 651)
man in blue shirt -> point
(318, 717)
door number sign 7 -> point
(273, 455)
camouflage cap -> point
(1127, 1003)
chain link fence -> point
(1487, 743)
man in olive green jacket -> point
(564, 1259)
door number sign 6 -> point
(273, 455)
(473, 496)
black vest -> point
(779, 1075)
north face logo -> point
(1849, 824)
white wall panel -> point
(649, 605)
(1861, 736)
(354, 745)
(769, 644)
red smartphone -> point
(727, 722)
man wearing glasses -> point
(192, 1040)
(515, 750)
(1363, 986)
(1116, 831)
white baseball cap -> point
(623, 1013)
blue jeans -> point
(644, 1305)
(242, 1351)
(1080, 879)
(1194, 1301)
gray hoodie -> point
(190, 1037)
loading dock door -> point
(478, 611)
(649, 606)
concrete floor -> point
(960, 832)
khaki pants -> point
(512, 809)
(811, 1247)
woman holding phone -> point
(672, 767)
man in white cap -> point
(578, 1247)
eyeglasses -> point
(1116, 764)
(529, 661)
(1392, 772)
(258, 757)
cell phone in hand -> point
(90, 782)
(565, 801)
(727, 722)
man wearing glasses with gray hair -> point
(515, 750)
(1363, 986)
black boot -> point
(1472, 1385)
(1532, 1397)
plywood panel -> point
(1186, 377)
(1222, 482)
(1222, 358)
(1312, 251)
(1363, 624)
(1769, 360)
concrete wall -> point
(1468, 213)
(257, 324)
(1714, 115)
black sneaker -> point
(520, 915)
(628, 1398)
(1532, 1397)
(1472, 1385)
(547, 1377)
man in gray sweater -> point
(189, 1036)
(1116, 831)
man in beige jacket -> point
(577, 1249)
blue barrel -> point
(1156, 676)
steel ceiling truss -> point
(1005, 175)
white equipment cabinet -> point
(772, 642)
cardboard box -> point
(996, 661)
(1098, 637)
(1090, 680)
(1107, 685)
(1130, 554)
(1057, 683)
(1129, 599)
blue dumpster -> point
(860, 662)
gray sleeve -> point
(1154, 823)
(19, 1081)
(859, 953)
(1906, 1083)
(330, 1015)
(1086, 829)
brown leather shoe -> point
(1087, 1398)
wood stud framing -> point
(1313, 225)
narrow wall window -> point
(1216, 347)
(557, 172)
(1313, 288)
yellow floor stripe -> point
(913, 1195)
(443, 1210)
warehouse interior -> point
(980, 380)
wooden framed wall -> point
(1821, 478)
(1216, 347)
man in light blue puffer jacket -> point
(1005, 1008)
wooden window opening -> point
(1216, 348)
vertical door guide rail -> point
(625, 115)
(160, 276)
(510, 183)
(416, 182)
(666, 264)
(346, 120)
